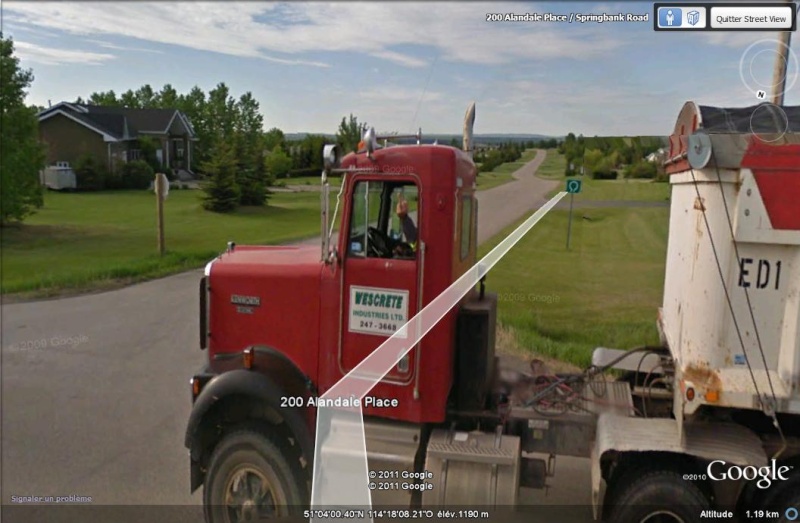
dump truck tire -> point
(662, 496)
(249, 478)
(787, 503)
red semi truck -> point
(708, 422)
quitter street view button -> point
(752, 17)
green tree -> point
(146, 97)
(592, 160)
(21, 154)
(220, 113)
(128, 99)
(248, 130)
(350, 133)
(149, 146)
(222, 191)
(167, 98)
(274, 137)
(193, 105)
(108, 99)
(278, 163)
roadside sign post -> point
(573, 187)
(161, 186)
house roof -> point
(121, 123)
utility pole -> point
(781, 64)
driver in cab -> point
(409, 230)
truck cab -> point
(282, 324)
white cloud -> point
(457, 31)
(400, 58)
(54, 56)
(390, 94)
(107, 45)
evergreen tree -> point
(222, 191)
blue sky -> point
(397, 65)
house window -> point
(62, 164)
(134, 154)
(179, 151)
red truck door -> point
(381, 274)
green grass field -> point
(596, 190)
(604, 291)
(86, 241)
(334, 181)
(83, 240)
(503, 173)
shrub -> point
(310, 171)
(113, 180)
(137, 175)
(604, 173)
(89, 174)
(641, 169)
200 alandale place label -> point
(340, 402)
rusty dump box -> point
(731, 310)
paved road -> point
(503, 205)
(95, 388)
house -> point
(112, 135)
(658, 156)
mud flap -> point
(598, 483)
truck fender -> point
(267, 387)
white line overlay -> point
(341, 478)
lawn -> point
(596, 190)
(604, 291)
(503, 173)
(84, 240)
(334, 181)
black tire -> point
(659, 497)
(249, 475)
(788, 497)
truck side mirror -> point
(331, 157)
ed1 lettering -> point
(759, 273)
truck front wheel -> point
(249, 479)
(659, 497)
